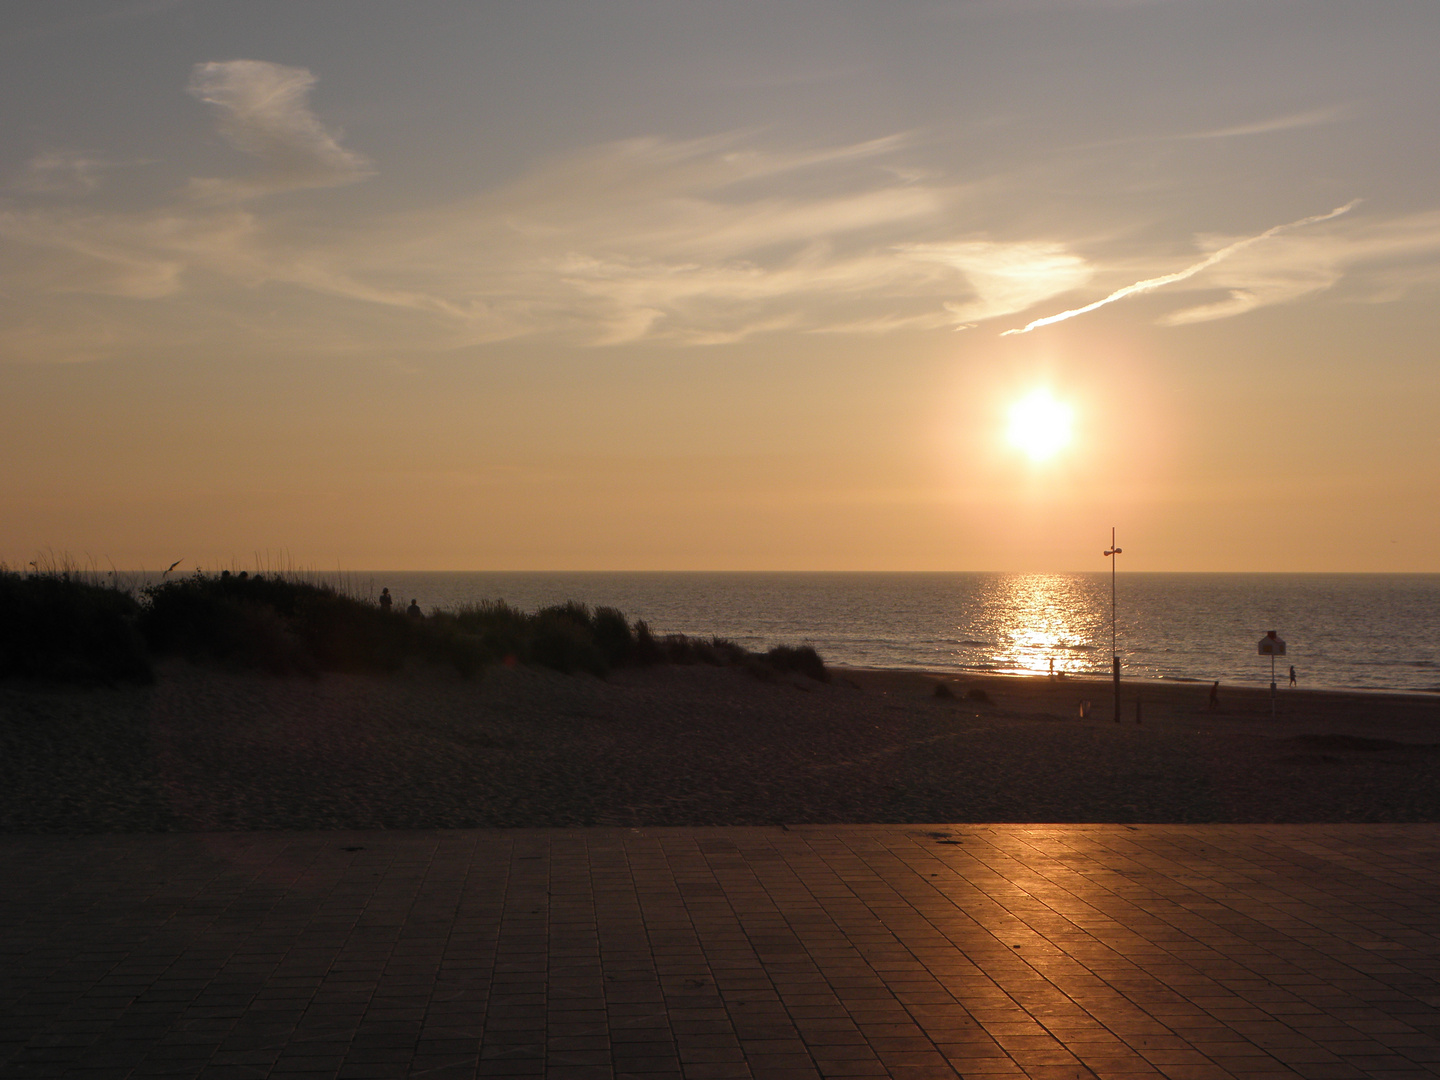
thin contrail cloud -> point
(1180, 275)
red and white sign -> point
(1272, 645)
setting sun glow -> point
(1040, 425)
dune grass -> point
(61, 627)
(64, 626)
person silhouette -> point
(385, 601)
(1215, 695)
(414, 610)
(1292, 674)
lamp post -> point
(1114, 651)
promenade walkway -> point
(912, 951)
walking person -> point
(1292, 674)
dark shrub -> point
(180, 617)
(558, 641)
(256, 635)
(440, 640)
(285, 626)
(647, 650)
(716, 651)
(943, 691)
(977, 693)
(502, 630)
(801, 658)
(572, 610)
(727, 652)
(343, 634)
(613, 636)
(54, 626)
(682, 649)
(678, 649)
(250, 621)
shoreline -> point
(1140, 683)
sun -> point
(1040, 425)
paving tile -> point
(1040, 951)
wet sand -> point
(207, 749)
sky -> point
(360, 285)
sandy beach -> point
(209, 749)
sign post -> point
(1114, 652)
(1272, 645)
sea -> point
(1341, 631)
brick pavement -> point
(912, 951)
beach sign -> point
(1272, 645)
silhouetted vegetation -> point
(798, 658)
(286, 626)
(55, 625)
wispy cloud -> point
(1267, 125)
(1385, 259)
(1215, 257)
(1006, 277)
(264, 111)
(701, 241)
(62, 172)
(1288, 122)
(93, 253)
(706, 241)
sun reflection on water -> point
(1035, 623)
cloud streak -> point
(62, 172)
(1214, 258)
(1290, 122)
